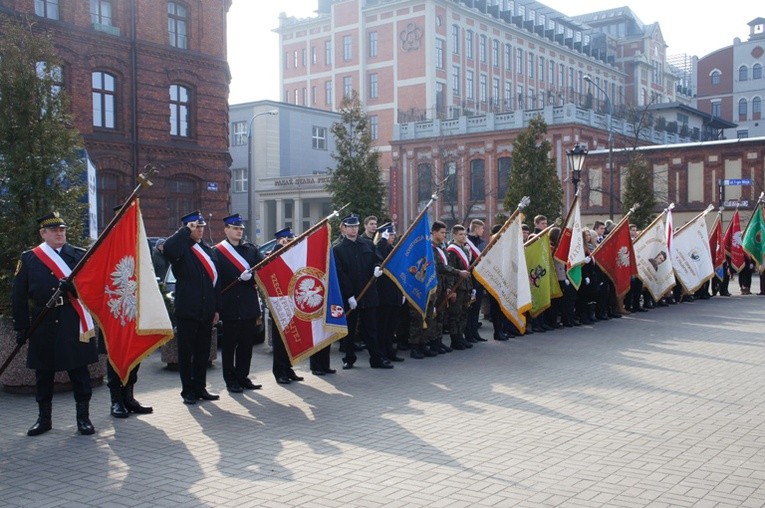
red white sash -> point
(461, 255)
(206, 262)
(442, 254)
(473, 249)
(232, 255)
(61, 270)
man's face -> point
(197, 232)
(54, 236)
(478, 231)
(234, 233)
(525, 235)
(459, 237)
(600, 230)
(438, 236)
(633, 232)
(370, 228)
(351, 232)
(540, 224)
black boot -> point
(133, 405)
(118, 403)
(43, 423)
(83, 419)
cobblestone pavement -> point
(665, 408)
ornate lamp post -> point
(576, 157)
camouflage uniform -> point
(456, 312)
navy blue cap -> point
(284, 233)
(350, 220)
(195, 216)
(388, 227)
(234, 220)
(51, 220)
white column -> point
(297, 212)
(279, 224)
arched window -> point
(424, 181)
(757, 71)
(103, 92)
(715, 77)
(182, 198)
(177, 25)
(477, 179)
(743, 73)
(451, 187)
(109, 196)
(742, 109)
(180, 100)
(756, 108)
(504, 165)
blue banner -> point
(334, 314)
(412, 267)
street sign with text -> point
(737, 181)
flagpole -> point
(649, 226)
(759, 203)
(626, 216)
(295, 241)
(702, 214)
(143, 181)
(568, 216)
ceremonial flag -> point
(303, 295)
(502, 272)
(691, 257)
(754, 238)
(732, 242)
(654, 266)
(570, 248)
(543, 281)
(411, 265)
(119, 287)
(717, 248)
(616, 257)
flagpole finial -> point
(525, 200)
(558, 221)
(144, 179)
(670, 207)
(710, 207)
(634, 207)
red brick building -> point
(148, 81)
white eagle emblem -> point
(737, 239)
(623, 257)
(123, 305)
(309, 294)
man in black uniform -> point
(241, 309)
(56, 344)
(356, 264)
(197, 303)
(389, 294)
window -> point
(469, 85)
(240, 180)
(328, 53)
(101, 12)
(52, 76)
(715, 77)
(374, 127)
(456, 39)
(314, 55)
(179, 111)
(177, 24)
(239, 133)
(372, 44)
(495, 90)
(469, 44)
(508, 95)
(482, 87)
(477, 188)
(495, 53)
(715, 109)
(295, 59)
(373, 86)
(504, 165)
(482, 48)
(541, 75)
(743, 73)
(439, 53)
(424, 181)
(519, 60)
(313, 95)
(108, 195)
(103, 93)
(347, 86)
(756, 108)
(182, 196)
(551, 73)
(455, 80)
(743, 107)
(530, 65)
(303, 57)
(319, 138)
(328, 93)
(347, 48)
(47, 9)
(757, 71)
(451, 187)
(508, 58)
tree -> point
(638, 188)
(533, 174)
(39, 167)
(356, 177)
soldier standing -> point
(459, 258)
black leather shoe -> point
(478, 338)
(205, 395)
(381, 365)
(249, 385)
(428, 353)
(41, 426)
(234, 388)
(84, 426)
(329, 371)
(283, 380)
(318, 372)
(347, 365)
(443, 348)
(459, 346)
(416, 354)
(119, 410)
(395, 359)
(294, 377)
(501, 337)
(189, 399)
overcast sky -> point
(688, 27)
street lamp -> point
(610, 146)
(576, 158)
(250, 179)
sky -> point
(253, 47)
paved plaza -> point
(665, 408)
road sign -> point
(737, 181)
(733, 203)
(212, 186)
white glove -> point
(472, 293)
(378, 271)
(403, 300)
(352, 302)
(566, 281)
(245, 275)
(385, 235)
(586, 280)
(587, 259)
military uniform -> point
(56, 344)
(459, 258)
(390, 297)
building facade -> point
(731, 84)
(284, 183)
(148, 82)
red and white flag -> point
(616, 257)
(119, 287)
(717, 247)
(732, 242)
(303, 295)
